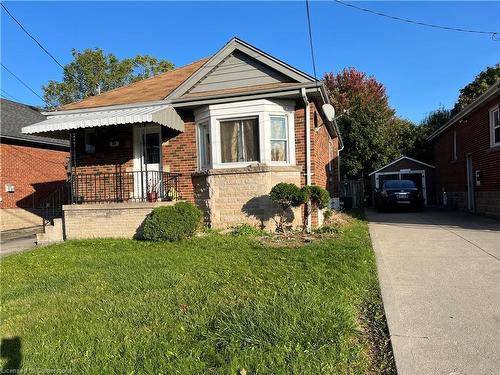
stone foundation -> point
(110, 220)
(230, 197)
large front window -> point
(239, 140)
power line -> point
(32, 37)
(20, 80)
(495, 35)
(5, 93)
(311, 39)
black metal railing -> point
(50, 207)
(140, 186)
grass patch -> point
(212, 304)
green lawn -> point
(216, 304)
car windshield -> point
(399, 184)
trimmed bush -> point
(172, 223)
(285, 196)
(320, 198)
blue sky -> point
(421, 68)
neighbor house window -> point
(495, 126)
(239, 140)
(204, 150)
(90, 141)
(455, 145)
(279, 139)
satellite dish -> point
(329, 111)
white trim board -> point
(401, 158)
(233, 45)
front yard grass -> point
(214, 304)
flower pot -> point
(152, 196)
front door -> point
(147, 161)
(470, 184)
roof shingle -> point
(151, 89)
(14, 116)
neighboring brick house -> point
(467, 157)
(31, 166)
(219, 132)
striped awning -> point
(59, 123)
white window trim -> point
(263, 109)
(455, 154)
(492, 124)
(287, 140)
(201, 165)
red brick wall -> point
(179, 156)
(34, 172)
(179, 152)
(473, 137)
(320, 155)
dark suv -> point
(399, 193)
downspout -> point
(308, 151)
(338, 154)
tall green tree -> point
(92, 71)
(479, 85)
(363, 117)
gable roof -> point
(237, 52)
(491, 92)
(150, 89)
(193, 79)
(14, 116)
(401, 158)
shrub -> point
(327, 215)
(172, 223)
(286, 196)
(319, 198)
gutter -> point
(307, 117)
(40, 142)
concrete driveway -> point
(17, 245)
(440, 280)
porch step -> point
(53, 233)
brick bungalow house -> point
(31, 166)
(219, 132)
(467, 157)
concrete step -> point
(53, 233)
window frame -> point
(86, 143)
(455, 153)
(203, 164)
(255, 108)
(239, 119)
(287, 139)
(491, 121)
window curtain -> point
(251, 140)
(229, 141)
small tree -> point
(285, 196)
(316, 198)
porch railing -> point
(140, 186)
